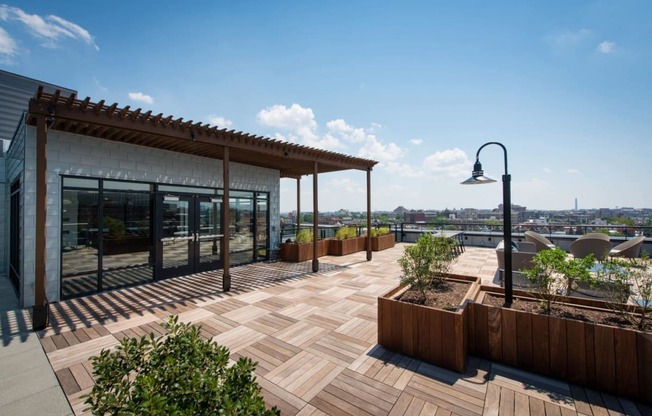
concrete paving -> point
(28, 385)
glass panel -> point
(79, 231)
(127, 186)
(15, 237)
(241, 243)
(186, 189)
(261, 228)
(127, 239)
(210, 232)
(80, 183)
(177, 233)
(241, 194)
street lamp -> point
(477, 177)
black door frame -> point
(194, 264)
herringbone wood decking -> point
(314, 338)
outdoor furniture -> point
(601, 236)
(584, 246)
(630, 249)
(539, 241)
(522, 255)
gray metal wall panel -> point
(15, 92)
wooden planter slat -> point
(644, 356)
(494, 333)
(605, 366)
(626, 369)
(508, 326)
(589, 353)
(541, 344)
(524, 340)
(576, 351)
(558, 347)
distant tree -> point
(438, 221)
(307, 218)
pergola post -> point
(369, 214)
(298, 203)
(226, 222)
(315, 218)
(39, 318)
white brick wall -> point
(70, 154)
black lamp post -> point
(478, 177)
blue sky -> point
(417, 86)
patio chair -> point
(601, 236)
(522, 255)
(630, 249)
(582, 247)
(540, 242)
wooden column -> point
(39, 318)
(368, 214)
(315, 219)
(226, 222)
(298, 203)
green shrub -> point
(178, 374)
(429, 260)
(304, 236)
(377, 232)
(346, 232)
(116, 228)
(553, 274)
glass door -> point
(177, 236)
(190, 235)
(208, 250)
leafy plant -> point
(178, 374)
(623, 280)
(429, 260)
(304, 236)
(377, 232)
(553, 274)
(116, 228)
(346, 232)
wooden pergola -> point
(109, 122)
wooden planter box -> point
(294, 252)
(610, 359)
(433, 335)
(347, 246)
(382, 242)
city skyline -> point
(418, 87)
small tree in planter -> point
(623, 280)
(304, 235)
(344, 233)
(427, 262)
(178, 374)
(553, 274)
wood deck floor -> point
(314, 338)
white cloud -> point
(404, 170)
(295, 118)
(50, 29)
(100, 86)
(219, 121)
(143, 98)
(547, 170)
(573, 171)
(607, 47)
(416, 142)
(341, 129)
(7, 46)
(375, 150)
(450, 162)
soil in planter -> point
(567, 311)
(443, 295)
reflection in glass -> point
(177, 233)
(241, 243)
(210, 231)
(127, 239)
(79, 217)
(261, 228)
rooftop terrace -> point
(314, 336)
